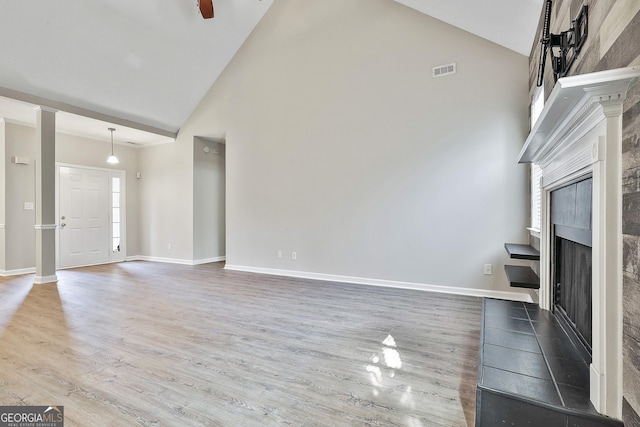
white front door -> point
(84, 237)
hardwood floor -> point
(153, 344)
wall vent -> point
(443, 70)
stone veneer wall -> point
(613, 42)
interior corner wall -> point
(341, 146)
(612, 42)
(208, 200)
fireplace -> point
(571, 230)
(577, 142)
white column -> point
(546, 285)
(606, 365)
(45, 195)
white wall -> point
(20, 188)
(341, 147)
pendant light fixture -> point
(112, 158)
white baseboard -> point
(18, 272)
(175, 260)
(41, 280)
(85, 265)
(487, 293)
(160, 259)
(209, 260)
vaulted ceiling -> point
(145, 64)
(509, 23)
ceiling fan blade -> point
(206, 8)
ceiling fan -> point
(206, 8)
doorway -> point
(91, 211)
(209, 182)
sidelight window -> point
(116, 222)
(537, 105)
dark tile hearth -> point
(530, 371)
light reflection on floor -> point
(391, 363)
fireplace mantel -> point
(569, 110)
(579, 134)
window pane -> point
(116, 230)
(116, 245)
(115, 200)
(116, 215)
(536, 197)
(537, 105)
(115, 184)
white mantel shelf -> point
(572, 99)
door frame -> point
(122, 255)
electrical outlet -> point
(488, 269)
(169, 246)
(294, 255)
(279, 254)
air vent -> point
(444, 70)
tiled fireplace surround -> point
(579, 134)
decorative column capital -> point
(612, 108)
(45, 108)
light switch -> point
(28, 206)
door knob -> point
(63, 225)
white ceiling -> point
(144, 61)
(142, 66)
(509, 23)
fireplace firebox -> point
(571, 213)
(572, 288)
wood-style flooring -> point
(151, 344)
